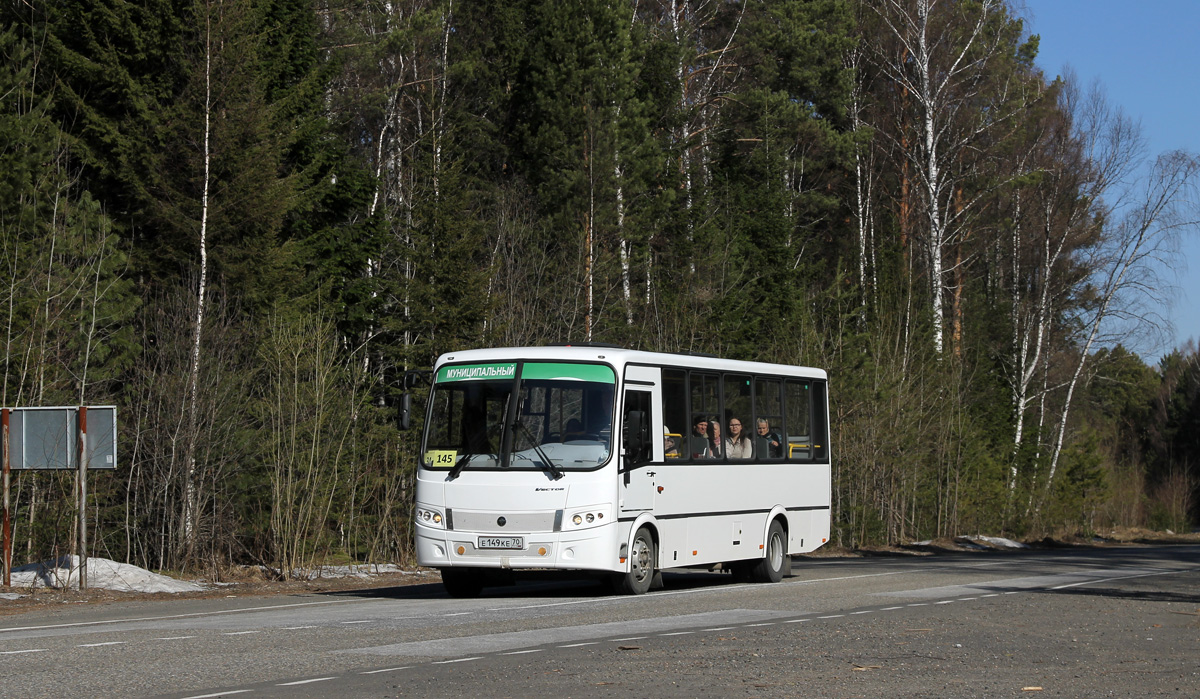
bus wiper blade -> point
(550, 465)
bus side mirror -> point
(406, 411)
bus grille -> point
(530, 522)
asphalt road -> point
(1122, 621)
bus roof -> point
(619, 357)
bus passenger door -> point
(637, 473)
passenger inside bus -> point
(714, 438)
(768, 440)
(670, 443)
(739, 444)
(698, 443)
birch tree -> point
(952, 59)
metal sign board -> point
(46, 438)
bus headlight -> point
(429, 517)
(590, 516)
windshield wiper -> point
(458, 466)
(550, 465)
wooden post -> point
(7, 516)
(83, 467)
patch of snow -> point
(10, 595)
(999, 541)
(102, 574)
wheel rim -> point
(776, 552)
(641, 559)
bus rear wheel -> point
(641, 569)
(462, 582)
(776, 563)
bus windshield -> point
(558, 419)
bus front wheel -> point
(776, 563)
(462, 582)
(641, 569)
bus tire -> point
(641, 566)
(462, 582)
(773, 565)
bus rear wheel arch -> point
(775, 563)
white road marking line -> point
(172, 638)
(865, 611)
(768, 623)
(178, 616)
(363, 621)
(300, 682)
(386, 669)
(576, 645)
(97, 645)
(523, 652)
(719, 628)
(219, 694)
(888, 609)
(832, 616)
(458, 614)
(27, 650)
(458, 660)
(239, 633)
(795, 621)
(945, 601)
(639, 638)
(296, 628)
(683, 633)
(1121, 577)
(966, 599)
(994, 594)
(919, 604)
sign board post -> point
(57, 438)
(7, 516)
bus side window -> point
(768, 419)
(798, 400)
(675, 422)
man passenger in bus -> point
(768, 440)
(698, 443)
(738, 445)
(714, 438)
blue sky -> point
(1147, 56)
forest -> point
(242, 221)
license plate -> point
(501, 542)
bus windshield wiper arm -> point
(550, 466)
(458, 466)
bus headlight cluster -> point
(593, 517)
(431, 518)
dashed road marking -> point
(386, 669)
(456, 660)
(300, 682)
(27, 650)
(97, 645)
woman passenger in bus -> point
(738, 445)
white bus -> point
(596, 458)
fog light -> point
(590, 518)
(437, 518)
(577, 519)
